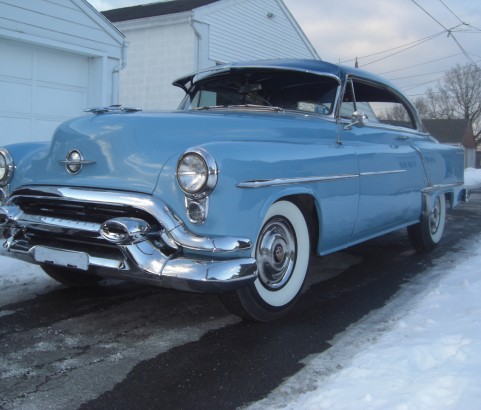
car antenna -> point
(339, 142)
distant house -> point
(56, 59)
(455, 132)
(174, 38)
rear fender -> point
(443, 164)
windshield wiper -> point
(240, 106)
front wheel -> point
(282, 254)
(427, 233)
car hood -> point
(127, 151)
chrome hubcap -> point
(276, 253)
(435, 217)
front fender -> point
(236, 209)
(25, 155)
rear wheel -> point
(427, 233)
(282, 254)
(70, 277)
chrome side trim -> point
(81, 162)
(440, 187)
(395, 171)
(262, 183)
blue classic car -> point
(262, 165)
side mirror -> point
(358, 118)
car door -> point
(391, 172)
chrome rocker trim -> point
(140, 259)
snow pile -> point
(472, 177)
(414, 353)
(430, 359)
(21, 281)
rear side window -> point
(379, 103)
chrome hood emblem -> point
(75, 161)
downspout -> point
(199, 39)
(116, 75)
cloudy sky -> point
(407, 41)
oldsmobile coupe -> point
(262, 165)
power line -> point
(460, 28)
(420, 75)
(440, 92)
(456, 16)
(417, 65)
(414, 86)
(412, 44)
(420, 41)
(406, 47)
(449, 31)
(452, 12)
(413, 76)
(430, 15)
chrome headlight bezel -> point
(196, 173)
(6, 167)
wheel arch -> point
(453, 194)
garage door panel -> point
(39, 89)
(19, 61)
(14, 129)
(59, 102)
(62, 68)
(17, 99)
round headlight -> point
(6, 167)
(196, 172)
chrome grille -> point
(78, 211)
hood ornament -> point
(75, 161)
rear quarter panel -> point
(444, 163)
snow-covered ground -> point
(414, 353)
(411, 354)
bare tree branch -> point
(457, 96)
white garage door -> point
(39, 88)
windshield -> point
(279, 89)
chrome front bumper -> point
(151, 250)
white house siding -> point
(57, 57)
(165, 47)
(253, 29)
(160, 50)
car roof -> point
(340, 72)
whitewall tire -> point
(282, 253)
(426, 234)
